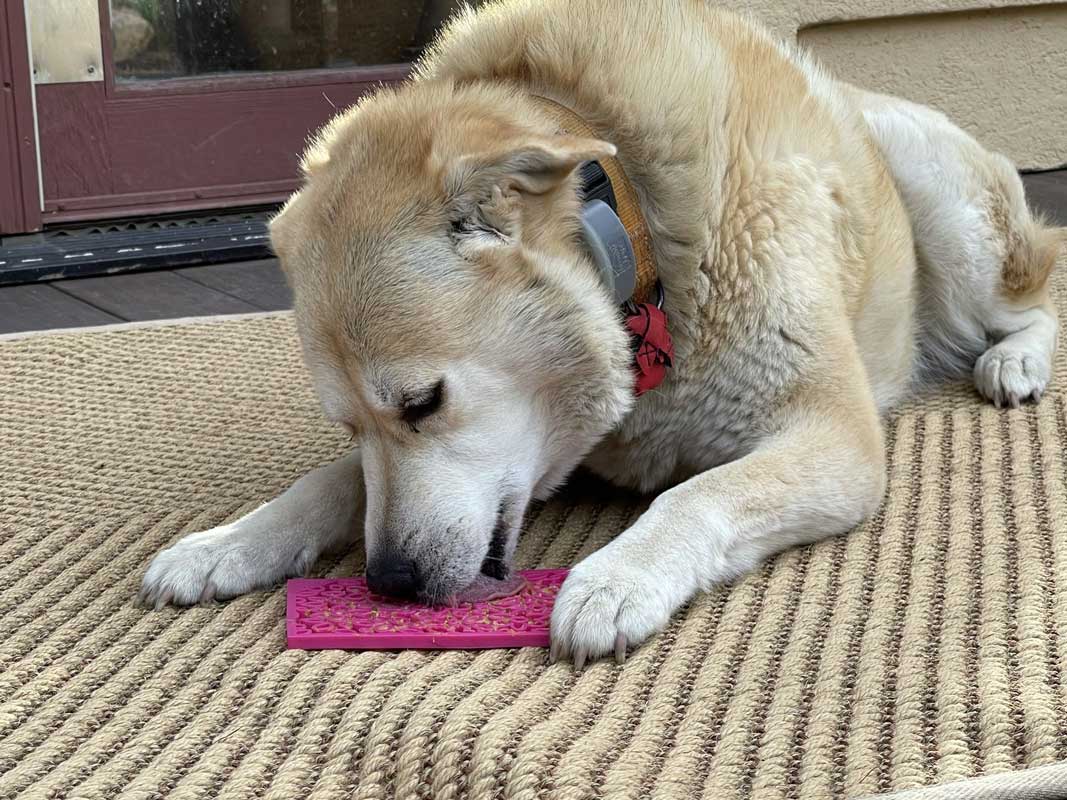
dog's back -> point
(728, 136)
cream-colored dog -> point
(823, 251)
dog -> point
(823, 253)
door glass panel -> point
(154, 39)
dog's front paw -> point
(605, 605)
(217, 564)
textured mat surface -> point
(929, 645)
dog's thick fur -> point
(824, 251)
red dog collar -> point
(652, 344)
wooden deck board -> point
(260, 283)
(1047, 193)
(153, 295)
(39, 306)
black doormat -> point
(106, 248)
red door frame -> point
(20, 201)
(111, 149)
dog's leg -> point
(321, 511)
(1019, 365)
(822, 474)
(985, 259)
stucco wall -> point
(998, 68)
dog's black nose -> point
(394, 578)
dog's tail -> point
(1029, 243)
(1033, 248)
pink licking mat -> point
(342, 613)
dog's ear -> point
(485, 188)
(535, 165)
(282, 230)
(492, 224)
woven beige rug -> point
(926, 647)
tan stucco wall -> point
(998, 68)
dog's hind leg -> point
(1021, 322)
(322, 511)
(984, 260)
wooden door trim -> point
(20, 200)
(238, 82)
(81, 209)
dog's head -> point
(452, 322)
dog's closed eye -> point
(421, 405)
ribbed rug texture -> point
(928, 646)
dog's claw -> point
(1014, 401)
(163, 599)
(620, 648)
(553, 653)
(1037, 395)
(208, 594)
(579, 660)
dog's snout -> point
(394, 577)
